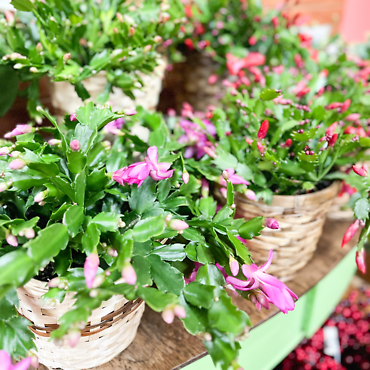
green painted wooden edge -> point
(270, 342)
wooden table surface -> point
(159, 346)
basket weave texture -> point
(301, 219)
(192, 76)
(66, 101)
(111, 328)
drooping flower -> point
(350, 232)
(114, 127)
(19, 130)
(234, 179)
(353, 117)
(136, 173)
(6, 362)
(91, 268)
(275, 291)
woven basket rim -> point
(107, 321)
(278, 199)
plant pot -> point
(192, 75)
(301, 219)
(66, 101)
(111, 328)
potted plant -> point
(234, 43)
(280, 157)
(89, 231)
(98, 50)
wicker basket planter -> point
(65, 100)
(301, 219)
(192, 75)
(111, 328)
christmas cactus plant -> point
(243, 39)
(275, 145)
(98, 219)
(77, 39)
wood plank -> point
(159, 346)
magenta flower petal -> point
(5, 360)
(22, 365)
(266, 265)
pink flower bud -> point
(53, 283)
(4, 150)
(330, 130)
(75, 145)
(360, 260)
(359, 171)
(262, 132)
(29, 233)
(350, 232)
(288, 143)
(250, 194)
(39, 197)
(54, 142)
(252, 41)
(223, 192)
(168, 315)
(15, 154)
(129, 274)
(177, 225)
(73, 117)
(19, 130)
(74, 337)
(234, 265)
(179, 311)
(345, 105)
(225, 175)
(112, 252)
(66, 57)
(185, 177)
(271, 223)
(275, 21)
(205, 188)
(210, 152)
(12, 240)
(260, 148)
(212, 79)
(353, 117)
(129, 112)
(90, 269)
(98, 281)
(17, 164)
(3, 186)
(263, 301)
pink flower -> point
(360, 260)
(91, 268)
(195, 136)
(234, 179)
(136, 173)
(114, 127)
(350, 232)
(19, 130)
(193, 274)
(275, 291)
(6, 362)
